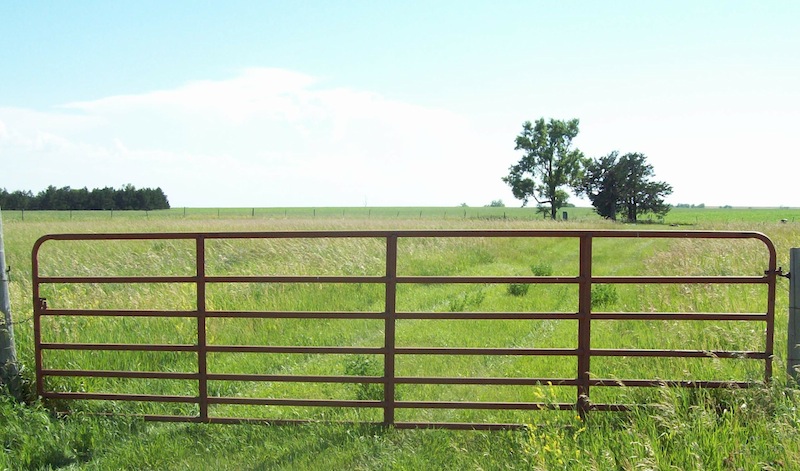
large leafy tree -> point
(623, 185)
(600, 184)
(548, 164)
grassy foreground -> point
(686, 429)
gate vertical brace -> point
(38, 310)
(202, 367)
(389, 330)
(584, 323)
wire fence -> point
(306, 213)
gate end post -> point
(793, 344)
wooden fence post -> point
(793, 344)
(9, 370)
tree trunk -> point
(631, 212)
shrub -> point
(603, 295)
(518, 289)
(542, 269)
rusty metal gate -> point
(205, 401)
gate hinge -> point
(779, 272)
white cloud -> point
(256, 92)
(267, 137)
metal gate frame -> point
(584, 352)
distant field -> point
(693, 216)
(677, 216)
(687, 429)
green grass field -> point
(684, 429)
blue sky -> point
(256, 103)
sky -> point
(387, 103)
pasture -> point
(685, 428)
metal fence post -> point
(793, 357)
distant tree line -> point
(66, 198)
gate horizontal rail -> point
(390, 351)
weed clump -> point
(604, 295)
(463, 301)
(361, 365)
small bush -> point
(542, 269)
(518, 289)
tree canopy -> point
(548, 164)
(66, 198)
(623, 184)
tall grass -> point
(683, 429)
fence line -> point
(452, 213)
